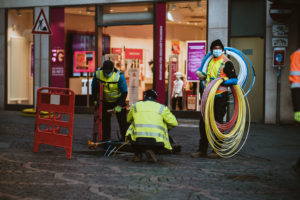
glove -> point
(118, 109)
(231, 81)
(201, 75)
(95, 103)
(297, 116)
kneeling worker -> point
(148, 131)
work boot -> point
(137, 157)
(213, 155)
(151, 156)
(198, 154)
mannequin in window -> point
(177, 91)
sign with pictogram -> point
(278, 56)
(41, 25)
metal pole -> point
(278, 96)
(198, 97)
(88, 90)
(40, 60)
(169, 82)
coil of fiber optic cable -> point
(228, 140)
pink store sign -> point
(134, 54)
(57, 61)
(196, 51)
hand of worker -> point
(118, 109)
(201, 75)
(95, 103)
(297, 116)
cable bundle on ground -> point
(226, 139)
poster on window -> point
(195, 53)
(175, 47)
(84, 61)
(133, 85)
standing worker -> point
(148, 131)
(114, 97)
(295, 83)
(295, 89)
(219, 67)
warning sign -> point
(41, 25)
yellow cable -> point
(120, 147)
(227, 144)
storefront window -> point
(186, 22)
(131, 49)
(127, 40)
(74, 36)
(20, 56)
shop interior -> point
(131, 46)
(20, 46)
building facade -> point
(147, 40)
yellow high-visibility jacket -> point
(111, 91)
(150, 119)
(215, 70)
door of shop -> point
(125, 36)
(253, 47)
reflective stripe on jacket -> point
(215, 70)
(111, 90)
(151, 120)
(295, 69)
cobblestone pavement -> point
(262, 170)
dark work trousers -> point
(106, 125)
(219, 112)
(174, 101)
(143, 144)
(296, 99)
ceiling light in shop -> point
(170, 17)
(111, 10)
(173, 6)
(19, 13)
(198, 4)
(174, 16)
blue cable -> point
(107, 150)
(252, 72)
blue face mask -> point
(217, 52)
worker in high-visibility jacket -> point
(219, 67)
(295, 83)
(114, 97)
(148, 131)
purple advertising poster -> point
(196, 51)
(57, 48)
